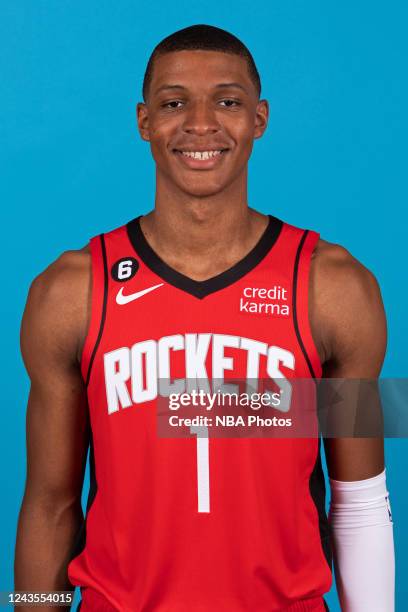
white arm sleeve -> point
(363, 544)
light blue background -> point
(72, 164)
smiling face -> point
(201, 117)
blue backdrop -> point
(334, 158)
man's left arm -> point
(349, 326)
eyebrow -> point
(218, 86)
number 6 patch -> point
(124, 269)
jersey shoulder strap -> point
(306, 242)
(99, 290)
(103, 248)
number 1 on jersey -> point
(203, 468)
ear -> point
(143, 120)
(261, 118)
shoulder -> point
(57, 309)
(63, 282)
(337, 270)
(346, 304)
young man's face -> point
(201, 117)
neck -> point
(196, 222)
(201, 237)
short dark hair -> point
(206, 38)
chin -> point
(202, 191)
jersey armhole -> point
(99, 293)
(301, 302)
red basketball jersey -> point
(223, 524)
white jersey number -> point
(203, 468)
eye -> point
(230, 103)
(171, 104)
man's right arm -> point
(52, 334)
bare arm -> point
(348, 322)
(53, 328)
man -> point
(202, 287)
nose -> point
(201, 119)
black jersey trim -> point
(200, 289)
(317, 487)
(105, 301)
(80, 539)
(93, 488)
(294, 308)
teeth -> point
(201, 154)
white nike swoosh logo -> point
(125, 299)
